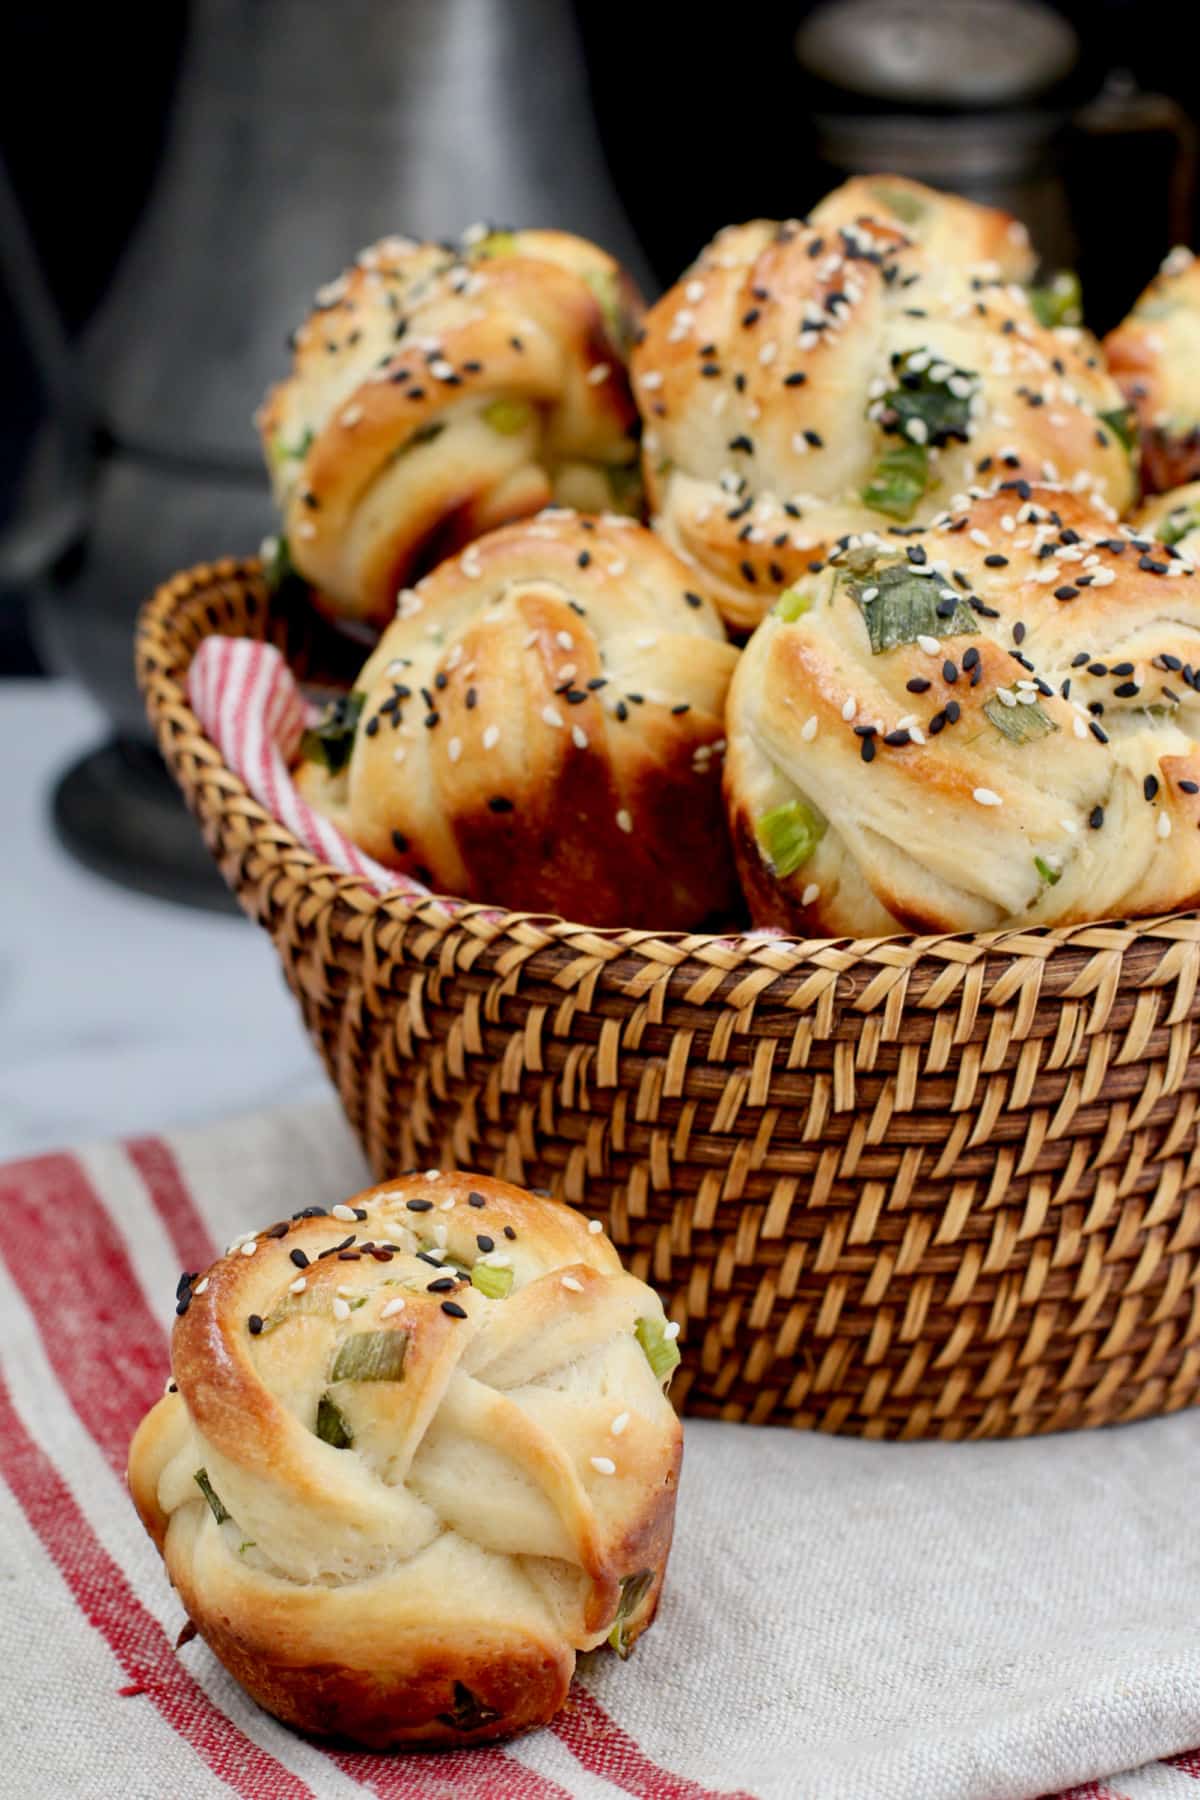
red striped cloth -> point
(90, 1245)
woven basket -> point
(905, 1187)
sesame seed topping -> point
(986, 797)
(298, 1286)
(392, 1308)
(595, 1226)
(341, 1308)
(343, 1212)
(625, 820)
(250, 1248)
(1164, 825)
(569, 1281)
(619, 1423)
(603, 1465)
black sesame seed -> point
(255, 1324)
(897, 739)
(498, 804)
(472, 698)
(1190, 787)
(970, 658)
(1150, 786)
(299, 1257)
(1096, 817)
(445, 1284)
(454, 1309)
(474, 1199)
(796, 379)
(937, 723)
(584, 558)
(419, 1205)
(424, 1256)
(815, 439)
(949, 670)
(484, 1242)
(185, 1300)
(1019, 632)
(918, 685)
(868, 749)
(1125, 690)
(1066, 592)
(953, 712)
(1098, 733)
(510, 1233)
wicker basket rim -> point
(162, 662)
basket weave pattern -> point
(898, 1187)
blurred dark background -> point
(176, 180)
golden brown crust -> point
(1086, 807)
(1155, 357)
(764, 375)
(432, 1581)
(543, 729)
(949, 228)
(438, 393)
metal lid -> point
(948, 53)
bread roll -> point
(415, 1455)
(541, 727)
(439, 391)
(1155, 356)
(949, 228)
(992, 722)
(802, 382)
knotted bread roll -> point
(949, 228)
(437, 392)
(415, 1455)
(802, 382)
(992, 722)
(1155, 356)
(542, 727)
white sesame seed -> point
(619, 1423)
(811, 893)
(454, 749)
(298, 1286)
(1081, 730)
(671, 1329)
(597, 373)
(564, 640)
(579, 737)
(625, 820)
(491, 737)
(552, 716)
(617, 567)
(768, 353)
(986, 797)
(201, 1286)
(603, 1465)
(306, 529)
(800, 443)
(694, 291)
(808, 730)
(250, 1248)
(441, 369)
(595, 1226)
(569, 1281)
(351, 416)
(929, 645)
(849, 707)
(399, 753)
(341, 1308)
(1164, 825)
(392, 1308)
(342, 1212)
(652, 380)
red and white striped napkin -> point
(251, 706)
(842, 1621)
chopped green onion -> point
(247, 1544)
(331, 741)
(281, 452)
(1021, 724)
(359, 1300)
(495, 1283)
(1060, 301)
(507, 416)
(662, 1352)
(1122, 422)
(219, 1512)
(927, 408)
(496, 243)
(905, 607)
(309, 1300)
(1047, 871)
(331, 1426)
(898, 480)
(278, 567)
(424, 434)
(791, 603)
(371, 1356)
(788, 835)
(470, 1713)
(1177, 524)
(909, 208)
(625, 484)
(634, 1589)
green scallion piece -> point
(788, 835)
(496, 243)
(507, 416)
(908, 208)
(495, 1283)
(791, 604)
(331, 1426)
(331, 741)
(371, 1356)
(898, 480)
(1177, 524)
(220, 1512)
(278, 567)
(1047, 871)
(1020, 724)
(282, 453)
(1122, 422)
(1059, 301)
(904, 607)
(634, 1589)
(938, 404)
(662, 1352)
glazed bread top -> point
(800, 383)
(413, 1433)
(1155, 356)
(541, 727)
(993, 721)
(948, 227)
(438, 391)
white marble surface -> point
(119, 1013)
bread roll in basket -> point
(415, 1456)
